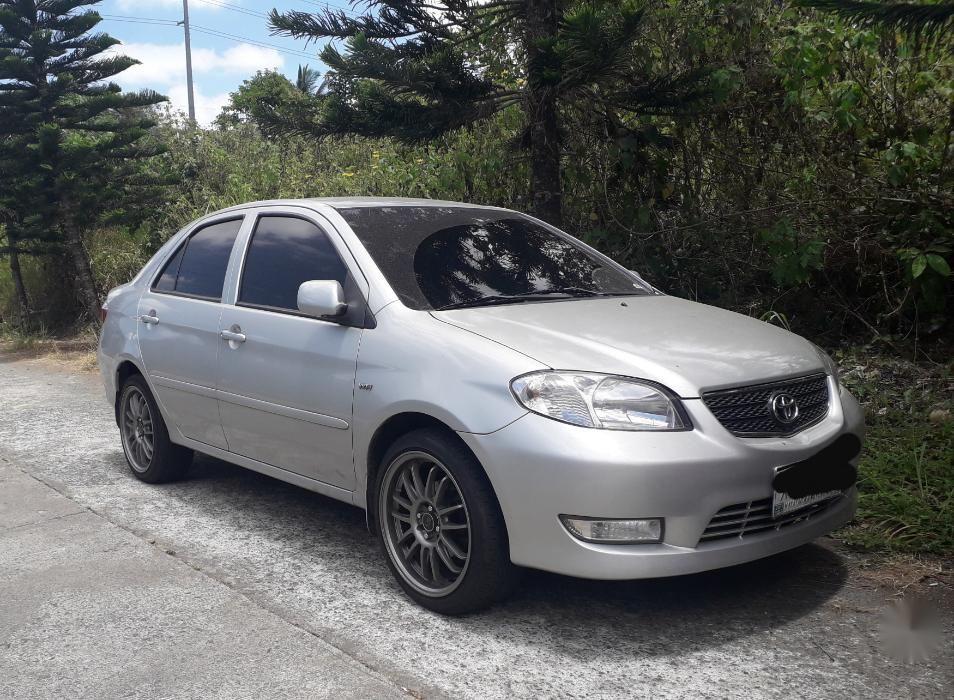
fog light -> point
(606, 531)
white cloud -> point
(164, 64)
(207, 107)
(162, 68)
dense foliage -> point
(416, 70)
(815, 189)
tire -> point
(434, 503)
(151, 456)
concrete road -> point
(87, 609)
(233, 584)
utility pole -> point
(188, 48)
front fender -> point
(414, 363)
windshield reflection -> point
(441, 256)
(504, 258)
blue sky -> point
(220, 63)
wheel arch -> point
(386, 434)
(124, 370)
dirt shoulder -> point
(76, 355)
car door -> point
(179, 329)
(286, 380)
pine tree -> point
(69, 139)
(12, 251)
(915, 18)
(417, 69)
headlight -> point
(599, 401)
(831, 367)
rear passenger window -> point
(283, 253)
(198, 269)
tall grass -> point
(906, 476)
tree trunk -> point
(546, 188)
(23, 301)
(82, 270)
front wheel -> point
(441, 526)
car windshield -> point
(455, 257)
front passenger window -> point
(284, 252)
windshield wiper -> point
(577, 292)
(489, 300)
(492, 299)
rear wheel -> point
(440, 525)
(152, 457)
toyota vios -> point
(493, 392)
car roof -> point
(360, 202)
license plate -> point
(783, 504)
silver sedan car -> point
(494, 394)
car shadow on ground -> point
(576, 617)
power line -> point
(247, 40)
(140, 20)
(215, 3)
(207, 30)
(234, 8)
(211, 3)
(335, 8)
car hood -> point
(688, 347)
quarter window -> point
(167, 280)
(198, 268)
(283, 253)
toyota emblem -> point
(785, 408)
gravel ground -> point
(802, 624)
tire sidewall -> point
(167, 461)
(489, 552)
(138, 386)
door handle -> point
(233, 335)
(150, 318)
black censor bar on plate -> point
(828, 470)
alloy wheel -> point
(138, 432)
(425, 523)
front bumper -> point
(541, 468)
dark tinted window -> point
(205, 259)
(439, 256)
(167, 280)
(285, 252)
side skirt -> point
(269, 470)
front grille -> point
(747, 412)
(756, 516)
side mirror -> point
(321, 298)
